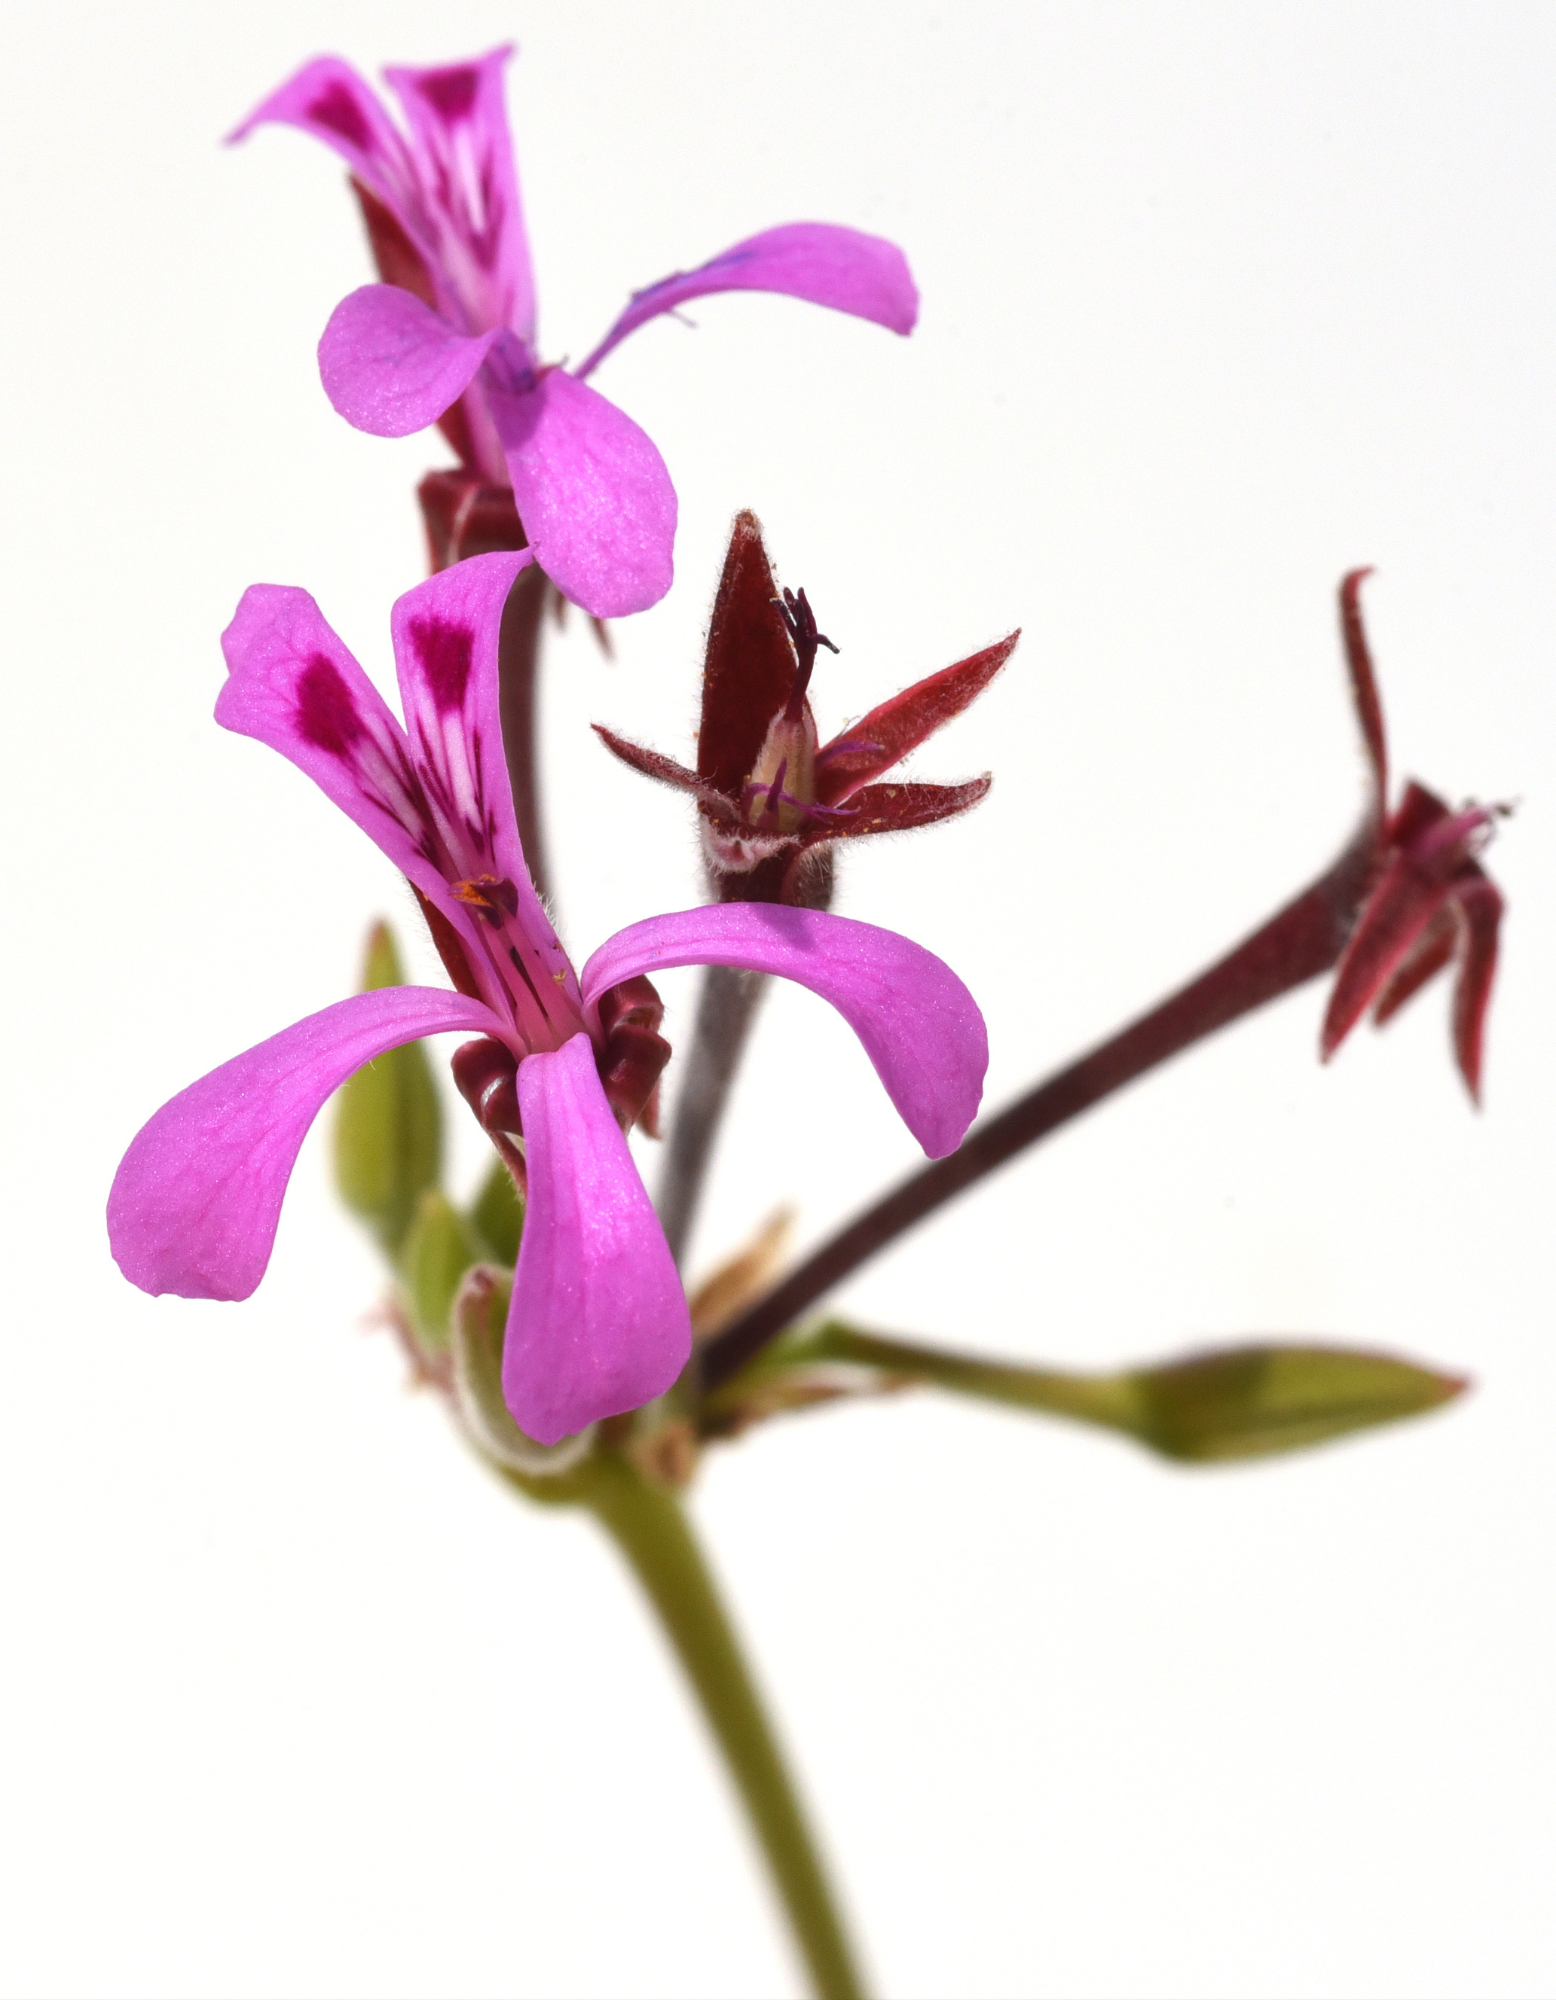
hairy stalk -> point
(726, 1007)
(1299, 942)
(518, 678)
(651, 1530)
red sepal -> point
(896, 808)
(465, 516)
(750, 662)
(901, 724)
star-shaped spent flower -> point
(1430, 902)
(562, 1064)
(770, 795)
(450, 335)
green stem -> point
(651, 1529)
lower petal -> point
(391, 365)
(919, 1024)
(194, 1206)
(599, 1323)
(592, 492)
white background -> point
(1218, 301)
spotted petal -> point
(446, 634)
(391, 365)
(599, 1323)
(197, 1197)
(459, 130)
(294, 685)
(592, 492)
(819, 261)
(328, 99)
(920, 1026)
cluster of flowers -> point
(552, 478)
(563, 1064)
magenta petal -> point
(391, 365)
(328, 99)
(459, 127)
(197, 1197)
(592, 492)
(445, 649)
(599, 1322)
(294, 685)
(919, 1024)
(818, 261)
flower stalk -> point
(726, 1009)
(1299, 942)
(650, 1528)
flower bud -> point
(1245, 1402)
(439, 1249)
(388, 1126)
(478, 1321)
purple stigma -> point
(801, 621)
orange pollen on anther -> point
(474, 892)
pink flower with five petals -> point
(457, 324)
(598, 1322)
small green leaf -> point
(498, 1215)
(1235, 1402)
(439, 1249)
(388, 1125)
(1243, 1402)
(479, 1322)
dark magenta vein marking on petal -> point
(446, 652)
(450, 92)
(338, 111)
(326, 709)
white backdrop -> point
(1218, 301)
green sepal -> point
(1228, 1403)
(439, 1249)
(478, 1325)
(497, 1215)
(388, 1122)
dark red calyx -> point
(749, 667)
(485, 1074)
(450, 947)
(466, 516)
(634, 1052)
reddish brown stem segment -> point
(1299, 942)
(518, 660)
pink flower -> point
(456, 324)
(599, 1322)
(1430, 902)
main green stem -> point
(651, 1529)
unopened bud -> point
(479, 1319)
(1244, 1402)
(439, 1249)
(497, 1215)
(388, 1125)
